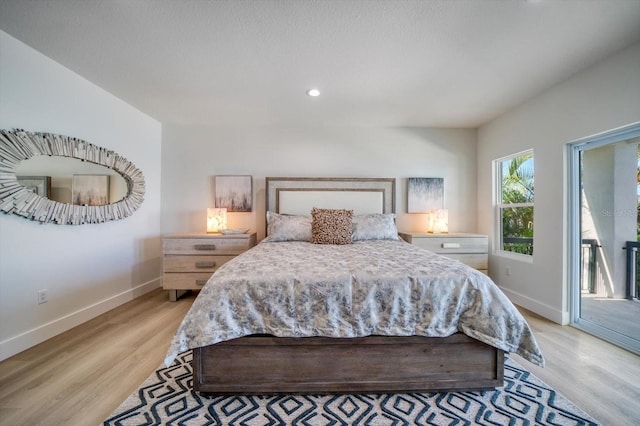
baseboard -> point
(544, 310)
(30, 338)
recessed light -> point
(313, 92)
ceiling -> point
(440, 63)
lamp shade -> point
(438, 221)
(216, 219)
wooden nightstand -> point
(471, 249)
(190, 259)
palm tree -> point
(517, 182)
(518, 189)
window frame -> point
(499, 206)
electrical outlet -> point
(42, 296)
(508, 271)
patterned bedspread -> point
(378, 287)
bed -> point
(372, 314)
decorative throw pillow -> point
(282, 227)
(375, 227)
(331, 226)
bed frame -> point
(263, 364)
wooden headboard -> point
(298, 195)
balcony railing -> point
(588, 261)
(518, 245)
(633, 285)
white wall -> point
(192, 156)
(600, 98)
(86, 269)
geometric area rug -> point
(166, 398)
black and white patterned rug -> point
(166, 398)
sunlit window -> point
(514, 203)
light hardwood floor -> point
(600, 378)
(81, 376)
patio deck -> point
(621, 315)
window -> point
(514, 203)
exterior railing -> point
(518, 245)
(588, 260)
(633, 286)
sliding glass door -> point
(604, 234)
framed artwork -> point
(90, 190)
(235, 193)
(424, 194)
(39, 185)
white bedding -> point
(375, 287)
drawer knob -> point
(205, 246)
(201, 282)
(450, 245)
(205, 264)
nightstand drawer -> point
(185, 281)
(201, 246)
(189, 260)
(470, 249)
(177, 263)
(453, 244)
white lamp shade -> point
(216, 219)
(438, 221)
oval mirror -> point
(59, 179)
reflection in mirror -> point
(62, 170)
(103, 186)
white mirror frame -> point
(19, 145)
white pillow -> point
(282, 227)
(375, 227)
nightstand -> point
(190, 259)
(470, 249)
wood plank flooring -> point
(81, 376)
(600, 378)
